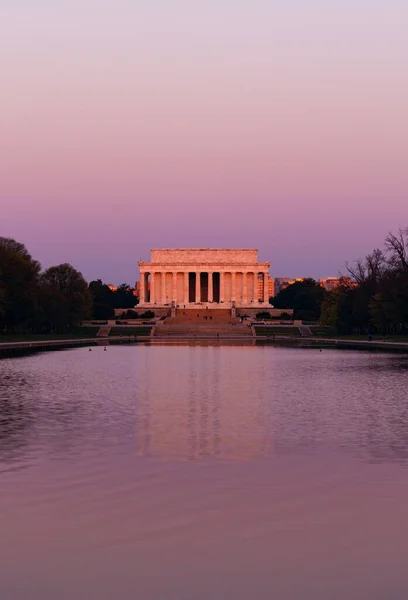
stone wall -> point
(274, 312)
(243, 256)
(158, 312)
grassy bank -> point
(327, 333)
(374, 338)
(130, 331)
(271, 330)
(78, 332)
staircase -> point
(305, 331)
(104, 331)
(201, 316)
(217, 323)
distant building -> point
(114, 288)
(281, 283)
(329, 283)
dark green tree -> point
(304, 297)
(65, 296)
(124, 297)
(18, 285)
(103, 300)
(389, 306)
(376, 297)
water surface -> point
(204, 472)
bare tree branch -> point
(397, 248)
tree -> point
(366, 274)
(103, 300)
(2, 302)
(397, 248)
(304, 297)
(389, 306)
(65, 296)
(377, 299)
(124, 297)
(369, 270)
(18, 284)
(106, 300)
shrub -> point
(286, 316)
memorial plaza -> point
(208, 277)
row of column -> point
(158, 289)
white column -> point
(266, 286)
(244, 289)
(198, 288)
(252, 287)
(233, 287)
(152, 289)
(210, 287)
(174, 290)
(186, 287)
(163, 289)
(222, 296)
(142, 288)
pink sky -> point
(126, 125)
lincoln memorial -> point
(205, 276)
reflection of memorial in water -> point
(198, 412)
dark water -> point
(204, 473)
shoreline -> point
(57, 343)
(302, 342)
(337, 343)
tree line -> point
(372, 296)
(54, 300)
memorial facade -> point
(204, 276)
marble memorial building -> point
(206, 276)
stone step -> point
(104, 331)
(221, 312)
(203, 330)
(199, 322)
(305, 331)
(199, 316)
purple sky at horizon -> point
(128, 125)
